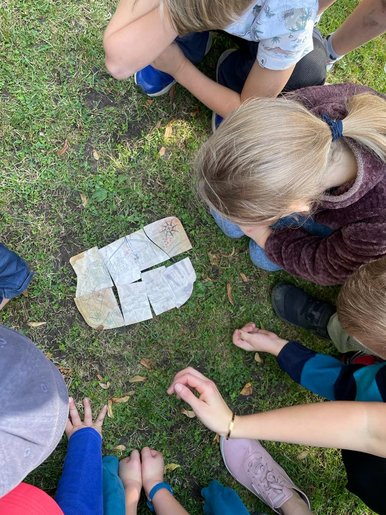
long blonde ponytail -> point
(271, 154)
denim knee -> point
(230, 229)
(259, 258)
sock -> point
(330, 49)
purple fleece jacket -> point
(356, 211)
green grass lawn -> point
(109, 182)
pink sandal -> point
(253, 467)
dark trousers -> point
(15, 275)
(366, 478)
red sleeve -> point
(329, 260)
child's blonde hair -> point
(272, 154)
(199, 15)
(361, 306)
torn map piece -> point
(124, 263)
(91, 272)
(134, 302)
(181, 277)
(169, 235)
(145, 253)
(121, 262)
(158, 290)
(100, 309)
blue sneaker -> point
(216, 118)
(155, 83)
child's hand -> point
(171, 60)
(131, 476)
(74, 422)
(251, 338)
(152, 468)
(209, 407)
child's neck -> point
(343, 167)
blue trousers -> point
(15, 275)
(258, 256)
(113, 490)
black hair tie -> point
(336, 126)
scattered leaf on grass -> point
(105, 386)
(120, 448)
(168, 131)
(36, 324)
(147, 363)
(137, 379)
(195, 112)
(100, 378)
(214, 259)
(110, 408)
(216, 439)
(172, 92)
(244, 278)
(188, 413)
(231, 254)
(95, 155)
(162, 151)
(170, 467)
(25, 293)
(84, 199)
(229, 294)
(149, 101)
(258, 358)
(120, 400)
(65, 371)
(247, 390)
(64, 148)
(302, 455)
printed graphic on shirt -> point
(283, 29)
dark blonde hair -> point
(271, 154)
(199, 15)
(361, 306)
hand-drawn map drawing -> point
(122, 263)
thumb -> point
(188, 396)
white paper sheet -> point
(134, 302)
(181, 277)
(100, 309)
(120, 262)
(91, 272)
(145, 253)
(160, 294)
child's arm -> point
(137, 33)
(358, 426)
(261, 82)
(322, 374)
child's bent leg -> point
(222, 500)
(259, 258)
(113, 491)
(15, 275)
(366, 478)
(155, 83)
(343, 341)
(230, 229)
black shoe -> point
(296, 307)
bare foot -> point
(131, 477)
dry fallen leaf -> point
(188, 413)
(229, 294)
(64, 148)
(25, 293)
(147, 363)
(168, 131)
(302, 455)
(216, 439)
(162, 151)
(105, 386)
(231, 254)
(258, 358)
(95, 155)
(172, 92)
(36, 324)
(100, 378)
(244, 278)
(170, 467)
(120, 448)
(65, 371)
(110, 408)
(149, 101)
(137, 379)
(84, 200)
(214, 259)
(120, 400)
(247, 390)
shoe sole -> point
(167, 88)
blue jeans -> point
(221, 500)
(15, 275)
(258, 256)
